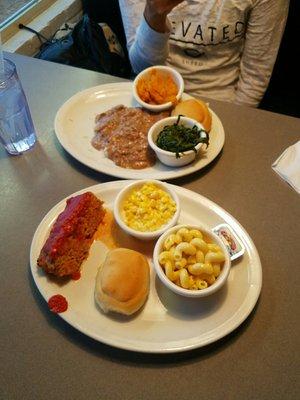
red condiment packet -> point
(231, 240)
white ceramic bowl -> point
(167, 157)
(159, 107)
(220, 280)
(124, 193)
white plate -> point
(74, 127)
(168, 322)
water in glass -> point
(17, 132)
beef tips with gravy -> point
(122, 133)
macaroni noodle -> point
(184, 247)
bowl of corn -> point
(191, 260)
(147, 208)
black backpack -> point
(89, 45)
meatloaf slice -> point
(71, 235)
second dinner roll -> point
(196, 109)
(122, 283)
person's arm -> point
(147, 32)
(264, 31)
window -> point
(14, 12)
(8, 8)
(44, 16)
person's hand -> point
(156, 12)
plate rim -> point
(124, 173)
(174, 346)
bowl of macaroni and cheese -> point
(145, 209)
(191, 260)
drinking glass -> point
(17, 132)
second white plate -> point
(168, 322)
(74, 127)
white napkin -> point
(288, 166)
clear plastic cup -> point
(17, 132)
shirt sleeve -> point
(265, 27)
(146, 47)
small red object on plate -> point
(76, 275)
(58, 303)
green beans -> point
(179, 138)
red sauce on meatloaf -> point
(76, 276)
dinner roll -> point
(122, 282)
(196, 109)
